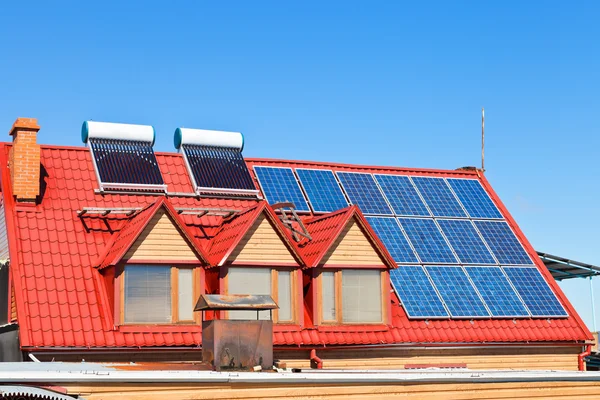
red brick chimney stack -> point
(24, 160)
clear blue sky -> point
(392, 83)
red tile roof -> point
(62, 301)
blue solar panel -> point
(465, 241)
(323, 191)
(427, 240)
(438, 197)
(363, 191)
(402, 195)
(535, 292)
(503, 242)
(391, 235)
(280, 185)
(474, 198)
(457, 292)
(496, 291)
(417, 293)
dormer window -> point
(158, 294)
(351, 296)
(278, 283)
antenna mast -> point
(482, 139)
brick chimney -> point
(24, 160)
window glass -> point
(328, 298)
(249, 281)
(147, 294)
(361, 296)
(186, 294)
(284, 299)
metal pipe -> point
(593, 305)
(581, 357)
(315, 361)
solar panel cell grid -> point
(322, 189)
(438, 197)
(457, 292)
(389, 232)
(466, 242)
(503, 242)
(428, 241)
(280, 185)
(363, 191)
(474, 198)
(496, 291)
(126, 162)
(216, 167)
(417, 293)
(402, 195)
(535, 292)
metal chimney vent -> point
(236, 344)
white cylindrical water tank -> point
(205, 137)
(110, 130)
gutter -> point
(422, 346)
(97, 374)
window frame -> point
(339, 317)
(274, 291)
(196, 291)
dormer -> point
(350, 270)
(255, 256)
(152, 268)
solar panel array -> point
(457, 256)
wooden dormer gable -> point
(254, 237)
(154, 235)
(344, 239)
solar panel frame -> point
(486, 209)
(408, 250)
(499, 280)
(411, 299)
(535, 300)
(438, 199)
(218, 170)
(457, 291)
(370, 205)
(126, 168)
(402, 195)
(423, 248)
(462, 249)
(308, 190)
(507, 252)
(262, 181)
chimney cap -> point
(29, 124)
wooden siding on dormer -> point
(262, 244)
(161, 241)
(352, 247)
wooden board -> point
(532, 358)
(422, 391)
(262, 244)
(161, 240)
(352, 247)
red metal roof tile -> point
(53, 254)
